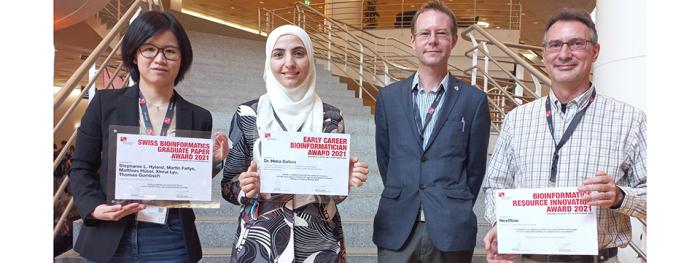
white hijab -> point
(298, 107)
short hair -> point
(568, 14)
(146, 26)
(439, 7)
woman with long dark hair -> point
(157, 52)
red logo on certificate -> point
(501, 194)
(122, 139)
(267, 135)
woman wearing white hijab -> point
(284, 227)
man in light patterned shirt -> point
(604, 150)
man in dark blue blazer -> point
(432, 134)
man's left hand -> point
(608, 194)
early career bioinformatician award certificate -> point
(163, 168)
(304, 163)
(545, 221)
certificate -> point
(545, 221)
(162, 168)
(304, 163)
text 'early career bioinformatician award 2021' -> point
(304, 163)
(551, 221)
(163, 168)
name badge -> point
(153, 214)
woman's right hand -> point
(115, 212)
(249, 181)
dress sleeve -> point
(243, 135)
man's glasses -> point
(425, 35)
(151, 51)
(574, 44)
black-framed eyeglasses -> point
(574, 44)
(151, 51)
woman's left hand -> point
(358, 172)
(220, 147)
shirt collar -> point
(579, 101)
(416, 83)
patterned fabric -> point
(611, 137)
(289, 228)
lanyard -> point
(280, 122)
(147, 119)
(567, 134)
(429, 114)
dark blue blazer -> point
(445, 177)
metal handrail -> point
(62, 95)
(472, 9)
(377, 41)
(301, 18)
(515, 45)
(640, 251)
(361, 31)
(85, 90)
(63, 217)
(360, 37)
(340, 8)
(508, 52)
(498, 64)
(321, 48)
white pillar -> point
(620, 71)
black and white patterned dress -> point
(288, 228)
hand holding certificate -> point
(553, 221)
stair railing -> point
(387, 59)
(61, 96)
(502, 14)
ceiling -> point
(70, 12)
